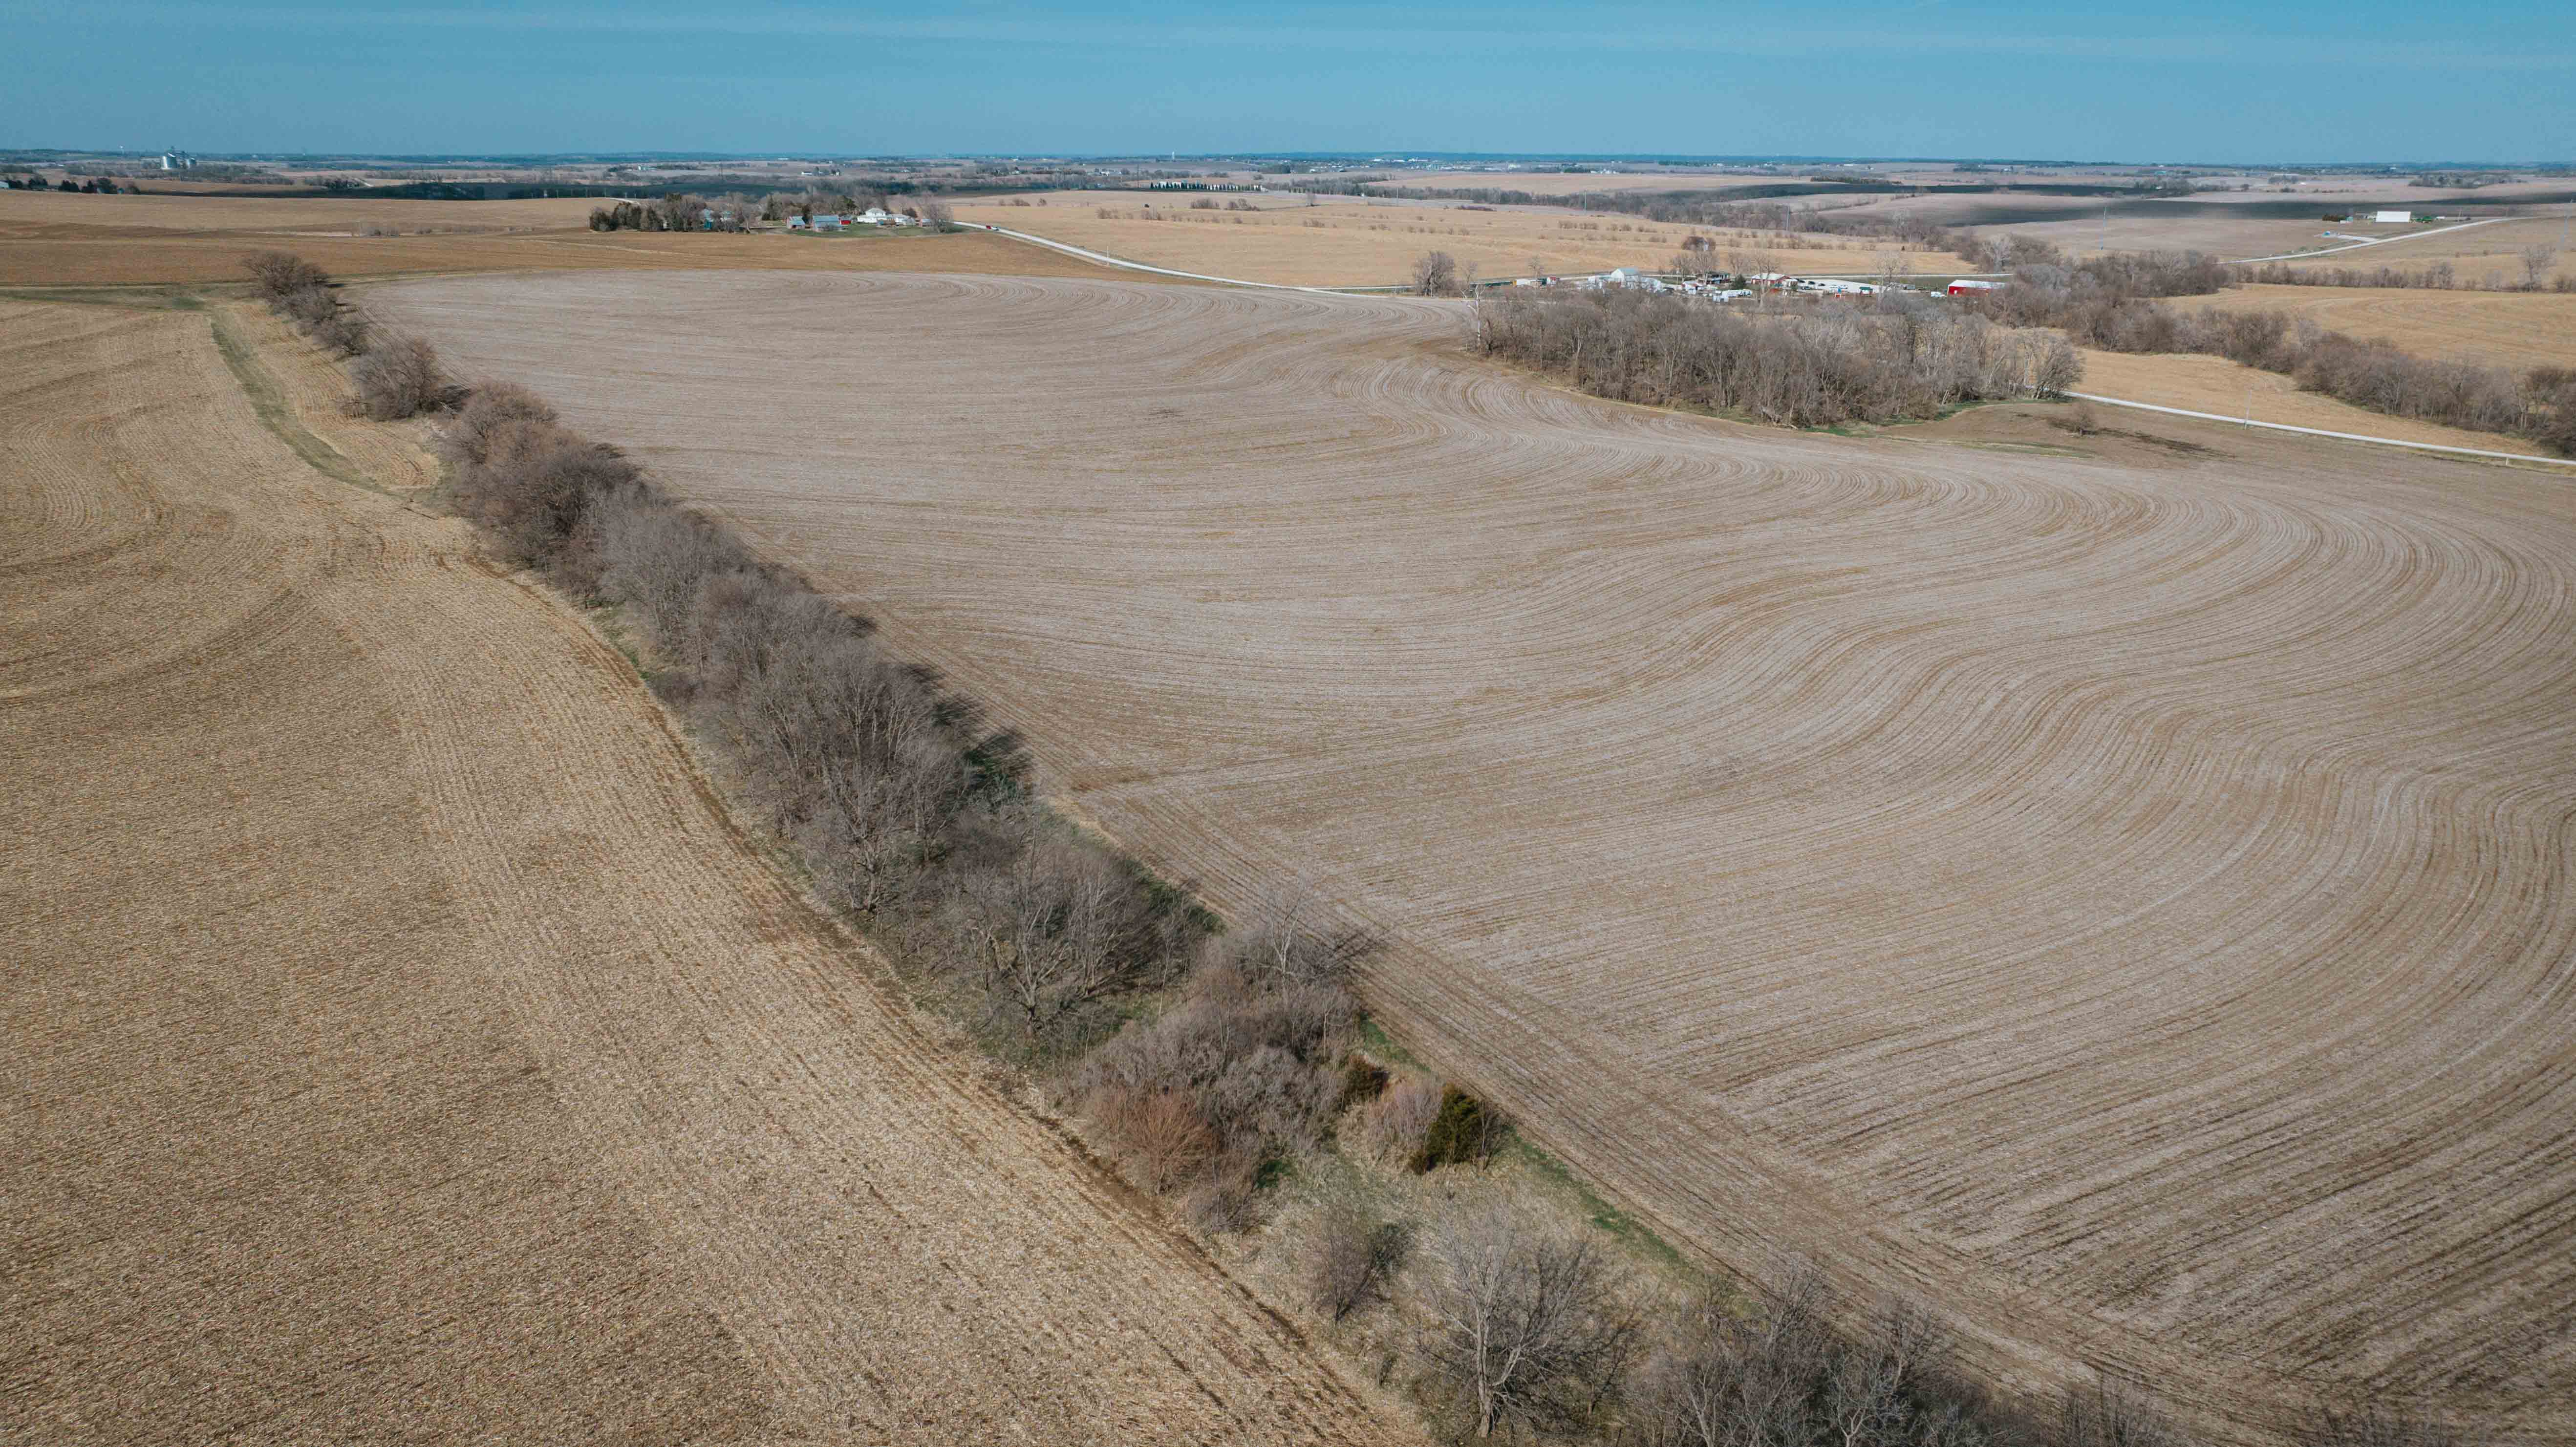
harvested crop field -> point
(2497, 329)
(2122, 892)
(45, 241)
(289, 215)
(2489, 255)
(1286, 242)
(405, 1047)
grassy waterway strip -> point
(268, 400)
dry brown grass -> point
(403, 1045)
(2120, 893)
(2499, 329)
(1355, 243)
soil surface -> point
(2121, 891)
(404, 1046)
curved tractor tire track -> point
(405, 1045)
(2125, 899)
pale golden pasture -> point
(2504, 329)
(1359, 243)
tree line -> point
(682, 211)
(1208, 1061)
(677, 211)
(91, 186)
(395, 377)
(1809, 365)
(2118, 304)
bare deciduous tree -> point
(1284, 944)
(1528, 1329)
(1050, 932)
(1167, 1139)
(1436, 274)
(1743, 1379)
(2536, 261)
(277, 273)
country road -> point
(2373, 241)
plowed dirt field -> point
(402, 1046)
(2122, 893)
(47, 240)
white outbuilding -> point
(1625, 277)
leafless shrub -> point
(1436, 274)
(1525, 1329)
(1161, 1135)
(277, 273)
(343, 333)
(2082, 420)
(1351, 1255)
(400, 378)
(1257, 1065)
(523, 476)
(485, 413)
(306, 306)
(1390, 1129)
(1225, 1202)
(656, 559)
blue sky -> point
(2362, 79)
